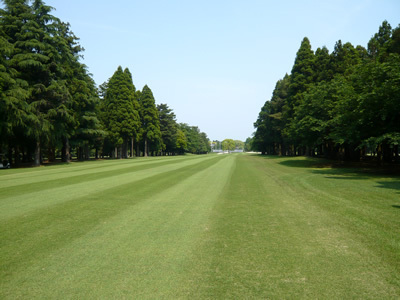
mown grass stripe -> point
(281, 243)
(14, 177)
(236, 226)
(63, 180)
(144, 251)
(27, 201)
(26, 241)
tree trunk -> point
(87, 152)
(17, 159)
(137, 150)
(9, 156)
(145, 147)
(36, 161)
(131, 146)
(66, 155)
(116, 152)
(52, 153)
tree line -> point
(50, 105)
(340, 105)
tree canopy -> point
(52, 108)
(340, 105)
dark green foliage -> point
(301, 78)
(248, 144)
(150, 129)
(270, 124)
(323, 68)
(196, 141)
(169, 128)
(121, 111)
(340, 105)
(46, 94)
(50, 106)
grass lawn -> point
(212, 226)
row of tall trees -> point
(135, 124)
(340, 105)
(50, 105)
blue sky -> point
(215, 63)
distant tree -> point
(150, 130)
(228, 144)
(263, 138)
(197, 141)
(217, 145)
(239, 145)
(168, 127)
(248, 144)
(181, 141)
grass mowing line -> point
(23, 203)
(277, 229)
(269, 242)
(13, 177)
(354, 198)
(361, 208)
(49, 228)
(137, 249)
(62, 180)
(359, 205)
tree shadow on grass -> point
(307, 162)
(350, 171)
(389, 181)
(396, 206)
(266, 156)
(394, 185)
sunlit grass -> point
(216, 226)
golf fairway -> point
(199, 227)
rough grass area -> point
(212, 226)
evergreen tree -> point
(380, 44)
(168, 128)
(344, 104)
(88, 131)
(301, 77)
(323, 68)
(121, 116)
(150, 129)
(345, 57)
(38, 58)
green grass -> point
(213, 226)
